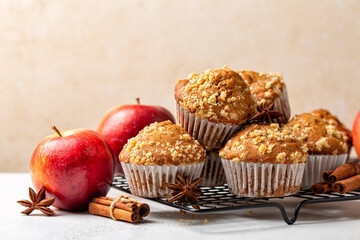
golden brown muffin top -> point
(163, 143)
(319, 136)
(333, 120)
(265, 87)
(265, 144)
(219, 95)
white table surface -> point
(321, 221)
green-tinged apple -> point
(73, 166)
(356, 134)
(126, 121)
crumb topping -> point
(322, 143)
(163, 143)
(219, 95)
(266, 144)
(281, 157)
(334, 121)
(265, 87)
(318, 135)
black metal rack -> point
(218, 199)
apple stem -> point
(138, 100)
(56, 130)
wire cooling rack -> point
(219, 199)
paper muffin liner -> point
(213, 172)
(209, 134)
(150, 181)
(317, 164)
(263, 179)
(282, 105)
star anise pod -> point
(184, 190)
(266, 114)
(38, 201)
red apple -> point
(356, 134)
(73, 166)
(126, 121)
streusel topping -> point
(333, 120)
(265, 144)
(163, 143)
(319, 136)
(266, 87)
(219, 95)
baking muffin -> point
(264, 161)
(268, 88)
(211, 106)
(327, 146)
(333, 120)
(156, 154)
(213, 172)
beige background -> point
(67, 62)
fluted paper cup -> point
(209, 134)
(263, 179)
(317, 164)
(213, 172)
(150, 181)
(282, 105)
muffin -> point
(156, 154)
(211, 106)
(213, 172)
(264, 161)
(327, 146)
(268, 88)
(333, 120)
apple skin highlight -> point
(124, 122)
(356, 134)
(73, 168)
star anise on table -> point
(38, 201)
(266, 114)
(185, 190)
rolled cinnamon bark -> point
(344, 171)
(119, 214)
(326, 175)
(143, 209)
(132, 207)
(321, 187)
(347, 185)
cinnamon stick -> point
(143, 209)
(344, 171)
(326, 175)
(132, 207)
(119, 214)
(321, 187)
(347, 185)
